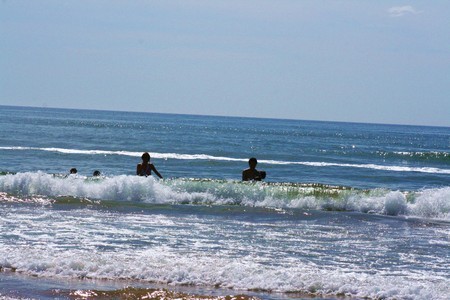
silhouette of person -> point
(251, 173)
(145, 168)
(73, 171)
(96, 173)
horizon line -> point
(224, 116)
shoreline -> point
(14, 285)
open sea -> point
(347, 211)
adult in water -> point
(251, 173)
(145, 168)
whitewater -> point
(47, 188)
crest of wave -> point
(432, 203)
(123, 187)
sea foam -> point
(244, 274)
(429, 203)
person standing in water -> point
(251, 173)
(145, 168)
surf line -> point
(222, 158)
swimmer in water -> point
(251, 173)
(145, 168)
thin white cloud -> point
(400, 11)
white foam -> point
(432, 203)
(38, 187)
(120, 188)
(181, 156)
(208, 251)
(205, 269)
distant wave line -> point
(222, 158)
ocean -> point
(347, 210)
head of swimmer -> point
(252, 162)
(145, 157)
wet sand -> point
(14, 285)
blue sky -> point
(355, 61)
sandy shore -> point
(14, 285)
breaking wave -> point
(124, 189)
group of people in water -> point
(145, 168)
(75, 171)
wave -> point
(432, 155)
(132, 190)
(302, 281)
(181, 156)
(244, 275)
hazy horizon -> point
(225, 116)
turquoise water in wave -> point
(357, 210)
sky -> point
(352, 61)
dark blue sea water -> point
(347, 209)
